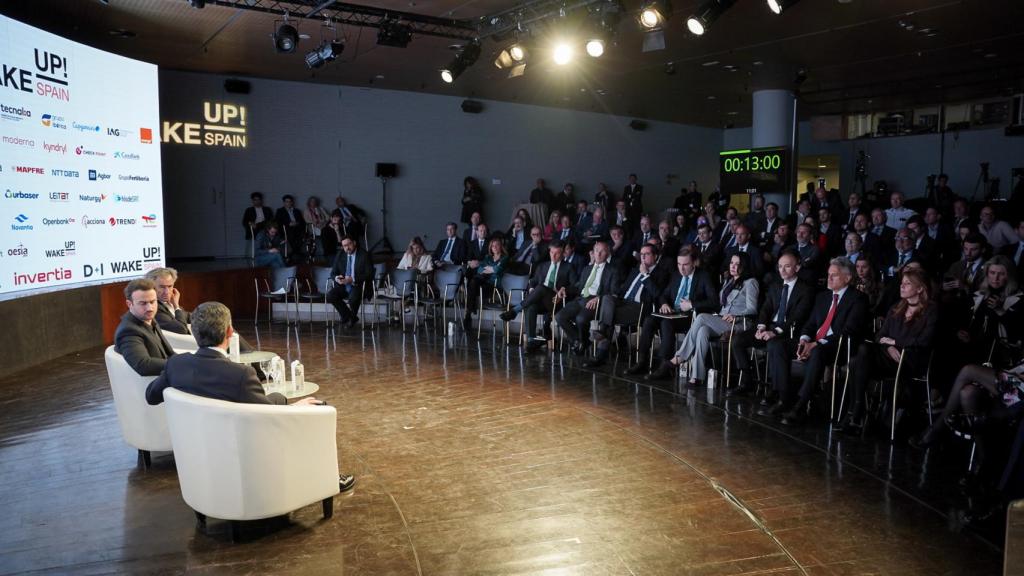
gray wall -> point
(37, 329)
(317, 139)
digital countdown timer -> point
(754, 171)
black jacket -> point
(703, 292)
(798, 307)
(144, 347)
(565, 278)
(362, 268)
(210, 374)
(458, 254)
(249, 217)
(609, 280)
(177, 322)
(851, 317)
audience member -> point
(853, 208)
(633, 196)
(897, 214)
(582, 219)
(621, 253)
(469, 235)
(621, 218)
(1015, 252)
(604, 198)
(550, 281)
(451, 250)
(541, 195)
(271, 249)
(331, 235)
(138, 337)
(353, 219)
(596, 280)
(741, 244)
(963, 277)
(290, 219)
(997, 232)
(553, 229)
(810, 256)
(352, 271)
(486, 278)
(995, 314)
(868, 282)
(472, 199)
(256, 216)
(564, 200)
(315, 215)
(416, 258)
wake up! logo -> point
(223, 126)
(49, 79)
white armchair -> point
(143, 426)
(181, 342)
(252, 461)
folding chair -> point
(317, 290)
(278, 289)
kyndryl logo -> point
(55, 148)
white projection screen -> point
(80, 193)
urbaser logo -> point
(29, 170)
(146, 135)
(19, 195)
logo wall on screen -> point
(119, 132)
(19, 195)
(126, 198)
(21, 224)
(67, 250)
(54, 121)
(146, 135)
(83, 151)
(50, 78)
(97, 198)
(14, 113)
(90, 270)
(18, 141)
(132, 178)
(126, 155)
(58, 221)
(55, 147)
(151, 257)
(29, 170)
(125, 266)
(149, 221)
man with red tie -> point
(840, 314)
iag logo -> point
(118, 132)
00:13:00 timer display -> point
(746, 163)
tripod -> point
(384, 245)
(981, 183)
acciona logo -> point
(86, 221)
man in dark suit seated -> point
(634, 297)
(290, 219)
(598, 229)
(550, 279)
(1015, 252)
(574, 257)
(619, 250)
(786, 307)
(530, 254)
(169, 314)
(810, 256)
(352, 271)
(581, 221)
(642, 236)
(138, 337)
(451, 250)
(692, 291)
(838, 313)
(255, 216)
(210, 374)
(353, 219)
(469, 235)
(744, 244)
(596, 280)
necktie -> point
(823, 331)
(473, 237)
(446, 255)
(903, 260)
(350, 261)
(732, 242)
(647, 236)
(1020, 249)
(683, 293)
(552, 276)
(590, 281)
(971, 270)
(780, 316)
(480, 245)
(346, 213)
(565, 234)
(634, 288)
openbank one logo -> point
(133, 177)
(20, 225)
(122, 221)
(126, 155)
(14, 114)
(51, 121)
(86, 221)
(91, 198)
(83, 151)
(19, 195)
(127, 199)
(85, 127)
(58, 221)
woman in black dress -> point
(472, 198)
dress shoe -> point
(773, 410)
(922, 441)
(579, 348)
(639, 370)
(535, 345)
(663, 372)
(508, 315)
(599, 360)
(794, 417)
(741, 390)
(346, 482)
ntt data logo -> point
(64, 173)
(85, 127)
(126, 155)
(51, 121)
(86, 221)
(19, 195)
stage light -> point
(563, 53)
(198, 4)
(707, 14)
(653, 14)
(449, 75)
(517, 52)
(286, 38)
(780, 6)
(595, 47)
(461, 62)
(327, 52)
(393, 33)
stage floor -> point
(475, 459)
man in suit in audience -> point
(925, 248)
(964, 277)
(903, 254)
(691, 292)
(541, 195)
(290, 219)
(532, 253)
(853, 208)
(353, 219)
(169, 314)
(581, 221)
(211, 374)
(946, 242)
(477, 249)
(578, 259)
(469, 235)
(598, 229)
(870, 244)
(138, 337)
(633, 196)
(643, 235)
(352, 271)
(621, 218)
(771, 224)
(635, 296)
(451, 250)
(255, 216)
(785, 310)
(709, 253)
(830, 234)
(669, 243)
(1015, 252)
(810, 256)
(839, 313)
(550, 279)
(596, 280)
(621, 252)
(744, 244)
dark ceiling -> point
(858, 55)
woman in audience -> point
(527, 221)
(680, 229)
(416, 257)
(605, 199)
(330, 237)
(472, 198)
(554, 225)
(711, 215)
(487, 277)
(738, 298)
(868, 281)
(316, 219)
(908, 328)
(271, 249)
(996, 314)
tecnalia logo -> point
(61, 148)
(19, 195)
(15, 114)
(42, 277)
(85, 127)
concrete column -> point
(773, 126)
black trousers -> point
(742, 342)
(821, 357)
(575, 319)
(478, 281)
(781, 351)
(668, 327)
(872, 361)
(346, 300)
(540, 300)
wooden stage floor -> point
(475, 459)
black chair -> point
(317, 291)
(445, 291)
(279, 288)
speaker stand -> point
(383, 246)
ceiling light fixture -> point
(562, 53)
(595, 47)
(780, 6)
(463, 60)
(706, 15)
(326, 52)
(286, 37)
(654, 14)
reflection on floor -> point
(472, 458)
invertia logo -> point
(14, 114)
(146, 135)
(83, 151)
(67, 250)
(127, 199)
(64, 173)
(91, 198)
(149, 221)
(54, 275)
(61, 148)
(51, 121)
(126, 155)
(122, 221)
(86, 221)
(21, 226)
(19, 251)
(133, 178)
(28, 170)
(59, 196)
(19, 195)
(19, 141)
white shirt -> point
(896, 218)
(592, 291)
(259, 215)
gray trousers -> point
(697, 342)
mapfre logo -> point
(29, 170)
(52, 121)
(121, 221)
(86, 221)
(12, 113)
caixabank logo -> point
(120, 155)
(47, 75)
